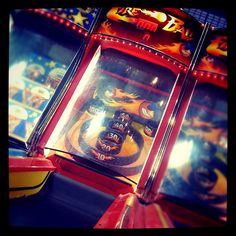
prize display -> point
(31, 90)
(38, 62)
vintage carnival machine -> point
(132, 102)
(198, 181)
(193, 189)
(44, 45)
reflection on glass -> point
(112, 116)
(178, 152)
(35, 71)
(198, 163)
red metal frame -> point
(159, 135)
(96, 182)
(19, 164)
(129, 213)
(138, 51)
(174, 135)
(185, 216)
(91, 178)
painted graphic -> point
(80, 16)
(29, 93)
(135, 104)
(32, 82)
(22, 120)
(214, 54)
(156, 28)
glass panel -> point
(114, 112)
(197, 175)
(37, 63)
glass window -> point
(198, 174)
(114, 113)
(38, 61)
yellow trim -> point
(29, 179)
(161, 217)
(24, 193)
(130, 200)
(26, 179)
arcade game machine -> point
(44, 45)
(112, 133)
(193, 189)
(197, 177)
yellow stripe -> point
(130, 200)
(37, 178)
(161, 216)
(26, 179)
(24, 193)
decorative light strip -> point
(61, 20)
(196, 73)
(180, 65)
(209, 75)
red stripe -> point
(18, 164)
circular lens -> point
(119, 126)
(150, 129)
(107, 147)
(112, 136)
(95, 107)
(123, 116)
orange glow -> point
(123, 13)
(174, 48)
(120, 93)
(174, 25)
(106, 28)
(127, 14)
(117, 98)
(218, 47)
(160, 16)
(207, 63)
(130, 107)
(198, 122)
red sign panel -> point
(161, 29)
(214, 53)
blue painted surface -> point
(62, 203)
(16, 152)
